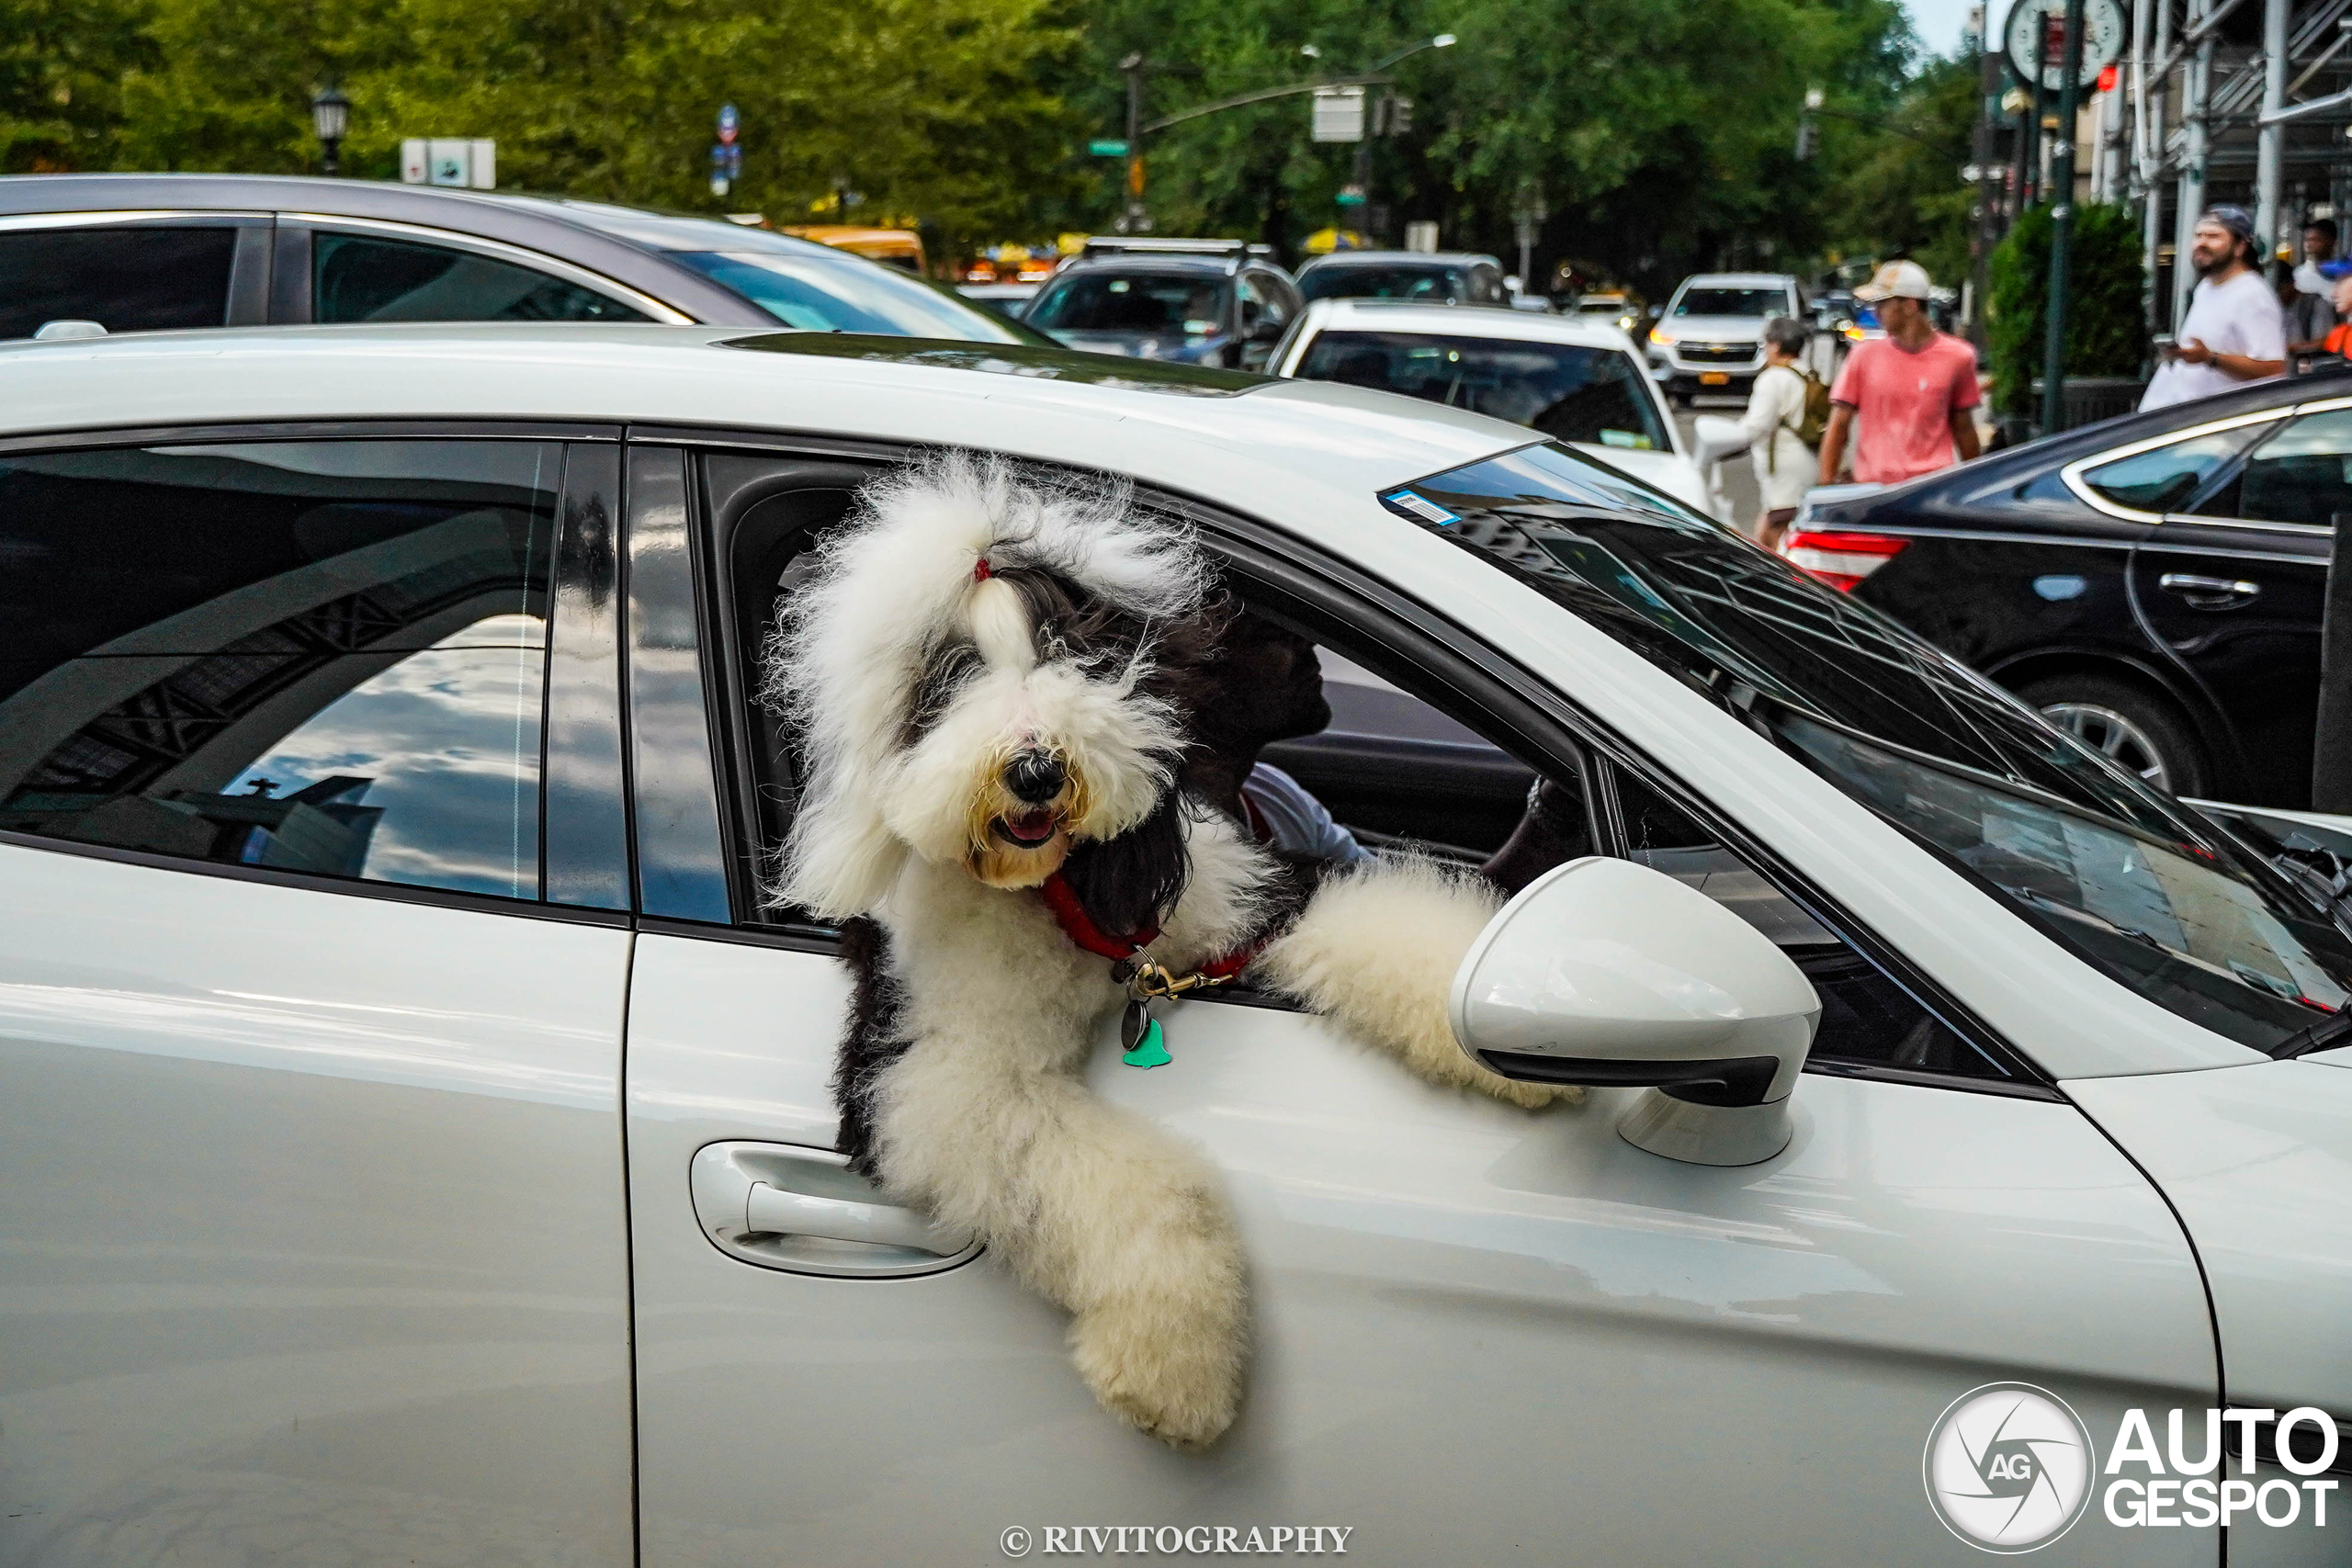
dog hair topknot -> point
(846, 660)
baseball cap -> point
(1895, 280)
(2333, 271)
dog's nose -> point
(1036, 777)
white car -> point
(1574, 379)
(394, 1051)
(1710, 338)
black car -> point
(2155, 582)
(1192, 301)
(1424, 277)
(141, 253)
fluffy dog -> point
(991, 678)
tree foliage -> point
(1659, 134)
(2106, 330)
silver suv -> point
(1711, 337)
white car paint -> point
(276, 1156)
(1672, 471)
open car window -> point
(2134, 883)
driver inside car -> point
(1268, 687)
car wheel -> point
(2139, 730)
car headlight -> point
(1660, 336)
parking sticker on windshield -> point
(1412, 505)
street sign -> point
(1100, 148)
(1351, 196)
(1338, 114)
(449, 160)
(727, 124)
(2036, 35)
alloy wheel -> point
(2111, 733)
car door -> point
(2234, 588)
(133, 272)
(351, 269)
(312, 1240)
(1481, 1334)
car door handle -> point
(804, 1211)
(2211, 592)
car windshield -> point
(1569, 392)
(2131, 881)
(1733, 302)
(818, 294)
(1162, 304)
(1367, 282)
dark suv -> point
(1194, 302)
(144, 252)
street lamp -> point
(331, 116)
(1442, 40)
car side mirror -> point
(1606, 973)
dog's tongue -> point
(1031, 827)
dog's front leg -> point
(1100, 1211)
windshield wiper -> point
(2326, 1033)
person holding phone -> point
(2234, 332)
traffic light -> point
(1397, 116)
(1808, 135)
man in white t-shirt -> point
(2235, 332)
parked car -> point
(1216, 302)
(141, 253)
(1572, 378)
(391, 1027)
(2156, 582)
(1622, 311)
(1440, 277)
(900, 248)
(1710, 338)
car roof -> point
(1738, 279)
(1456, 320)
(1093, 411)
(1211, 266)
(1400, 258)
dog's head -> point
(992, 672)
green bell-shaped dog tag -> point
(1146, 1046)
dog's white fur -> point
(984, 1120)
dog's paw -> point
(1175, 1380)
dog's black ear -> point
(1127, 882)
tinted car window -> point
(318, 657)
(1449, 284)
(127, 280)
(1170, 304)
(2302, 474)
(819, 294)
(1733, 302)
(362, 279)
(2163, 478)
(1567, 391)
(2132, 882)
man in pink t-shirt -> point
(1911, 390)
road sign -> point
(727, 124)
(1338, 114)
(449, 160)
(1101, 149)
(2036, 36)
(1351, 196)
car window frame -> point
(1395, 636)
(291, 303)
(250, 263)
(2072, 474)
(555, 758)
(2235, 468)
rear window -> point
(1158, 304)
(127, 279)
(1568, 391)
(1432, 285)
(2132, 882)
(851, 295)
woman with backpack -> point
(1786, 413)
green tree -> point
(1899, 192)
(2105, 332)
(61, 69)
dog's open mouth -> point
(1028, 828)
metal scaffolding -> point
(2247, 101)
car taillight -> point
(1840, 559)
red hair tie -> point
(981, 572)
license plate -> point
(1715, 378)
